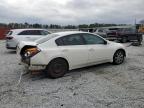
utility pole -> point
(135, 21)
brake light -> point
(31, 52)
(9, 38)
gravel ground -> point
(101, 86)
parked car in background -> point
(124, 34)
(102, 32)
(14, 36)
(59, 52)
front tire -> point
(118, 57)
(57, 68)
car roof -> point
(61, 34)
(69, 33)
(16, 31)
(58, 35)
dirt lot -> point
(98, 86)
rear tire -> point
(57, 68)
(118, 57)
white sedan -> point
(14, 36)
(59, 52)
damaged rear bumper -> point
(32, 67)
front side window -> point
(75, 39)
(133, 30)
(93, 39)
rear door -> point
(72, 47)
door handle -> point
(64, 50)
(91, 49)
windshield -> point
(44, 39)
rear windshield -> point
(34, 32)
(9, 33)
(44, 39)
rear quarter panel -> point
(49, 51)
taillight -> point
(9, 37)
(31, 52)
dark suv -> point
(124, 34)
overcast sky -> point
(71, 11)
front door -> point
(99, 50)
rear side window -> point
(93, 39)
(59, 42)
(75, 39)
(30, 32)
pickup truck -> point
(124, 35)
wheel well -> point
(60, 58)
(121, 50)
